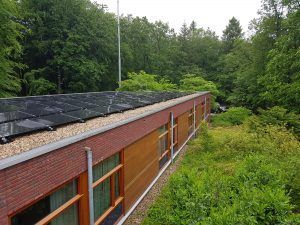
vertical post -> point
(194, 118)
(90, 183)
(119, 43)
(172, 137)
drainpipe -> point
(171, 133)
(89, 155)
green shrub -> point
(196, 83)
(276, 116)
(233, 175)
(146, 82)
(234, 116)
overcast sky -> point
(207, 13)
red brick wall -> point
(21, 184)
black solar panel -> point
(19, 127)
(56, 119)
(106, 110)
(39, 110)
(11, 116)
(29, 114)
(84, 114)
(5, 107)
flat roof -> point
(32, 145)
(23, 115)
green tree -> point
(70, 44)
(259, 69)
(146, 82)
(232, 32)
(10, 32)
(282, 78)
(195, 83)
(198, 52)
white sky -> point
(214, 14)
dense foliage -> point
(233, 116)
(234, 175)
(146, 82)
(71, 46)
(242, 174)
(9, 48)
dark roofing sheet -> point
(28, 114)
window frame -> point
(202, 111)
(191, 115)
(175, 133)
(166, 135)
(114, 201)
(47, 219)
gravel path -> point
(141, 210)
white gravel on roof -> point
(28, 142)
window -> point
(163, 146)
(198, 116)
(191, 122)
(175, 135)
(58, 208)
(203, 110)
(107, 189)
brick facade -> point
(26, 182)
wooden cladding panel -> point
(183, 126)
(141, 167)
(198, 115)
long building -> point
(79, 165)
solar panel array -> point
(19, 116)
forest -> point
(67, 46)
(245, 168)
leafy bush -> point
(146, 82)
(232, 175)
(38, 86)
(277, 116)
(234, 116)
(193, 83)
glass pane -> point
(69, 216)
(163, 144)
(104, 167)
(63, 195)
(45, 206)
(175, 122)
(162, 129)
(33, 214)
(101, 198)
(175, 148)
(175, 135)
(117, 184)
(190, 131)
(113, 217)
(163, 161)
